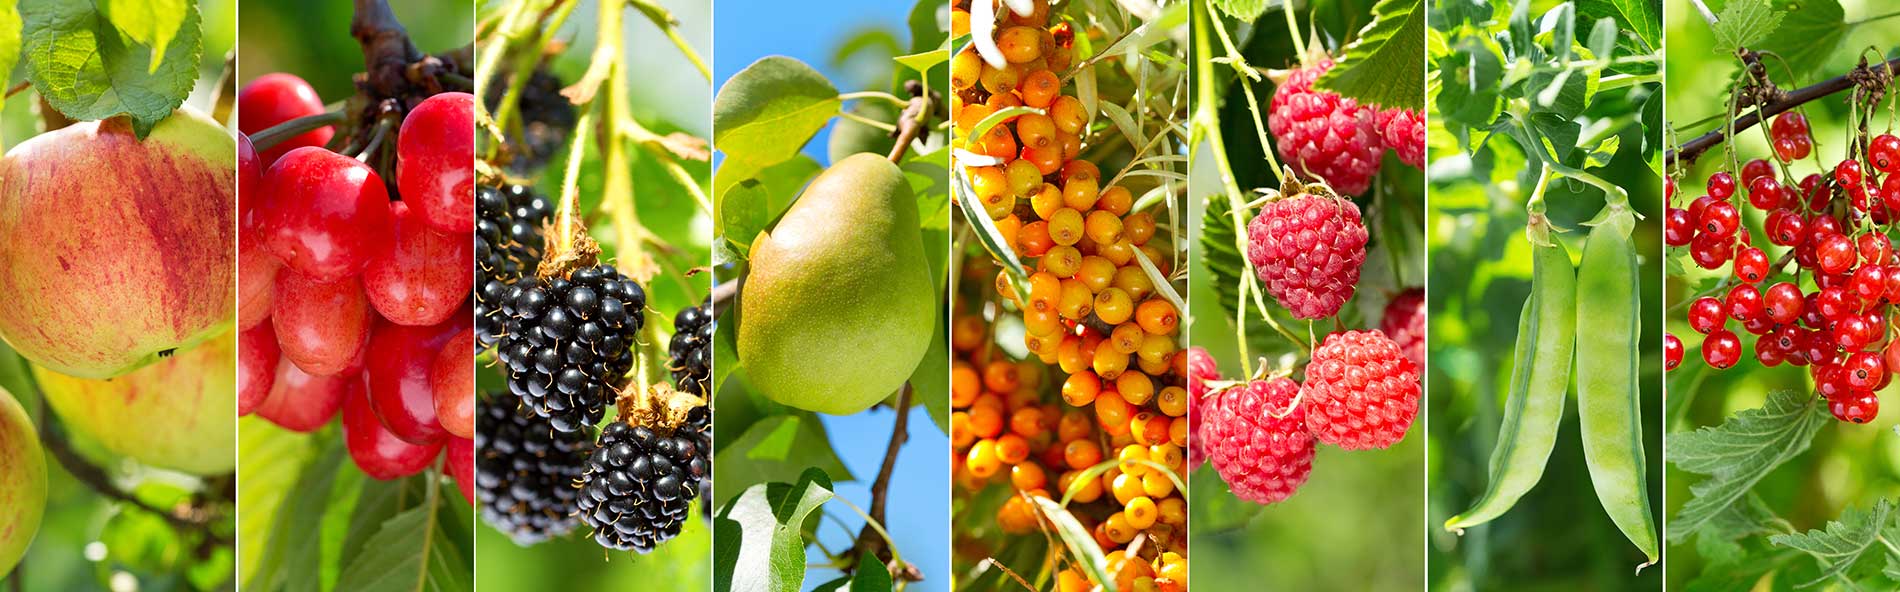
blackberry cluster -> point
(691, 350)
(526, 472)
(566, 342)
(546, 118)
(640, 483)
(507, 247)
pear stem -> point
(914, 123)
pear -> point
(836, 311)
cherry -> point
(417, 280)
(1706, 314)
(324, 214)
(1869, 282)
(401, 359)
(257, 366)
(250, 174)
(379, 453)
(1855, 407)
(1782, 302)
(452, 382)
(1672, 351)
(1721, 349)
(1721, 185)
(302, 402)
(1751, 265)
(1785, 228)
(1743, 302)
(1847, 173)
(257, 275)
(1884, 153)
(323, 327)
(1766, 353)
(460, 454)
(1835, 253)
(1720, 219)
(1765, 193)
(275, 98)
(433, 152)
(1678, 228)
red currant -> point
(1743, 302)
(1764, 193)
(1829, 379)
(1814, 191)
(1766, 353)
(1678, 229)
(1864, 370)
(1874, 248)
(1884, 153)
(1756, 169)
(1788, 125)
(1720, 219)
(1751, 265)
(1785, 228)
(1672, 351)
(1721, 185)
(1835, 253)
(1721, 349)
(1706, 314)
(1833, 304)
(1789, 149)
(1782, 302)
(1855, 407)
(1869, 282)
(1711, 251)
(1847, 173)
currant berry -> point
(1884, 153)
(1756, 169)
(1782, 303)
(1765, 193)
(1721, 349)
(1835, 253)
(1743, 302)
(1854, 407)
(1864, 371)
(1719, 219)
(1847, 173)
(1788, 125)
(1766, 353)
(1751, 265)
(1672, 351)
(1678, 228)
(1721, 186)
(1706, 314)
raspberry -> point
(1323, 134)
(1404, 323)
(1201, 369)
(1361, 392)
(567, 341)
(1307, 251)
(544, 116)
(507, 247)
(1404, 131)
(690, 353)
(526, 471)
(1256, 439)
(641, 483)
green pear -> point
(836, 311)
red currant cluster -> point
(350, 300)
(1833, 228)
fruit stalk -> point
(1693, 149)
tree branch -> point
(870, 542)
(1693, 149)
(186, 519)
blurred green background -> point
(1557, 537)
(1847, 465)
(86, 542)
(1354, 524)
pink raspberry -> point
(1307, 251)
(1323, 134)
(1404, 322)
(1361, 392)
(1256, 438)
(1200, 369)
(1404, 131)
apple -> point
(117, 251)
(22, 482)
(175, 414)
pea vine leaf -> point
(1744, 22)
(1841, 545)
(764, 526)
(1381, 67)
(87, 70)
(1738, 454)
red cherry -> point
(257, 271)
(415, 281)
(322, 327)
(1751, 265)
(325, 214)
(1721, 349)
(433, 152)
(1847, 173)
(400, 361)
(1835, 253)
(379, 453)
(275, 98)
(1678, 228)
(452, 381)
(1707, 314)
(302, 402)
(257, 366)
(1743, 302)
(1782, 302)
(1672, 351)
(1765, 193)
(1785, 228)
(1854, 407)
(461, 457)
(1721, 185)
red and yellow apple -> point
(22, 482)
(175, 414)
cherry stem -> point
(1693, 149)
(276, 134)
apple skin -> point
(117, 251)
(22, 482)
(175, 414)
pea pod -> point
(1540, 378)
(1609, 398)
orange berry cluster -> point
(1089, 309)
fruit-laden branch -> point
(871, 544)
(1693, 149)
(187, 520)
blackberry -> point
(691, 350)
(526, 472)
(545, 119)
(566, 342)
(641, 482)
(507, 246)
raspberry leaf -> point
(1381, 68)
(1842, 546)
(765, 526)
(1738, 453)
(88, 71)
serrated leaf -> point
(152, 23)
(87, 71)
(296, 536)
(759, 539)
(764, 113)
(1738, 454)
(1241, 10)
(1742, 23)
(1810, 32)
(1383, 66)
(412, 554)
(269, 458)
(1842, 543)
(1642, 17)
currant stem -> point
(1693, 149)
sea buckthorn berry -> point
(1068, 114)
(1012, 449)
(1133, 280)
(1062, 260)
(1156, 316)
(1082, 453)
(1127, 339)
(982, 461)
(1141, 513)
(1037, 131)
(1103, 227)
(1076, 301)
(1080, 194)
(1019, 44)
(1113, 306)
(1117, 200)
(1112, 412)
(1065, 226)
(1039, 89)
(1081, 388)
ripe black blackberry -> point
(690, 352)
(641, 481)
(526, 472)
(508, 245)
(545, 118)
(567, 342)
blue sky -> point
(746, 30)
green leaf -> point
(923, 61)
(767, 111)
(1382, 67)
(850, 136)
(1810, 32)
(376, 503)
(295, 546)
(871, 578)
(929, 176)
(1242, 10)
(834, 585)
(749, 206)
(759, 539)
(777, 449)
(1468, 83)
(1641, 17)
(9, 39)
(925, 31)
(1742, 23)
(270, 459)
(725, 346)
(152, 23)
(411, 554)
(1842, 543)
(1739, 453)
(1081, 544)
(87, 71)
(928, 387)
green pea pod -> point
(1540, 377)
(1609, 398)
